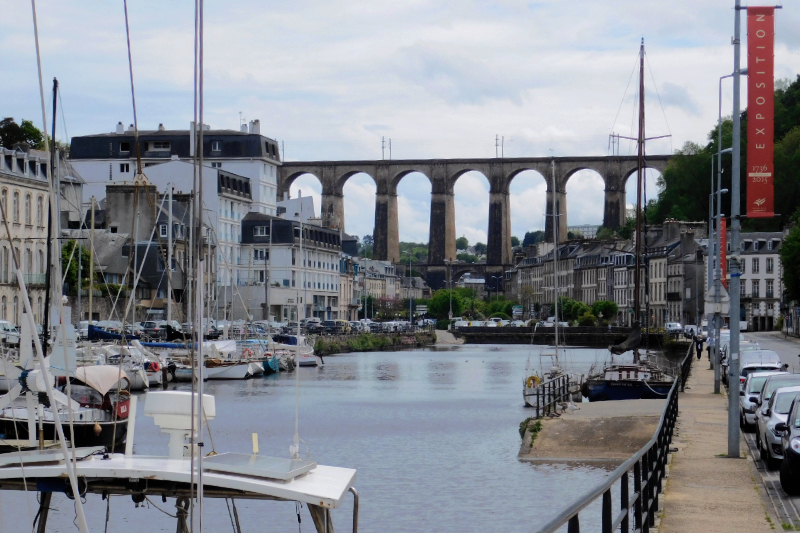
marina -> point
(451, 413)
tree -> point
(606, 307)
(480, 248)
(462, 243)
(439, 306)
(367, 243)
(532, 237)
(605, 233)
(12, 133)
(467, 258)
(790, 258)
(71, 267)
(514, 241)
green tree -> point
(790, 258)
(514, 241)
(605, 233)
(462, 243)
(467, 258)
(12, 133)
(439, 306)
(606, 307)
(480, 248)
(71, 267)
(532, 237)
(587, 319)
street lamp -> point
(410, 312)
(449, 263)
(496, 289)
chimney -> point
(206, 127)
(192, 133)
(243, 128)
(120, 128)
(285, 196)
(251, 127)
(256, 127)
(130, 128)
(160, 127)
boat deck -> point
(324, 486)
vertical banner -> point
(760, 111)
(723, 250)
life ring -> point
(155, 367)
(532, 381)
(247, 352)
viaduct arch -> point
(443, 174)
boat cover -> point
(101, 378)
(96, 333)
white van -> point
(8, 332)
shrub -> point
(587, 319)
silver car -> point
(776, 411)
(772, 384)
(748, 397)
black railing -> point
(549, 394)
(636, 510)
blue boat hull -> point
(599, 390)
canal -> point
(433, 435)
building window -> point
(28, 201)
(744, 266)
(260, 231)
(42, 265)
(124, 168)
(216, 165)
(159, 145)
(40, 211)
(770, 245)
(216, 146)
(770, 288)
(39, 310)
(770, 264)
(15, 310)
(5, 308)
(15, 208)
(756, 288)
(124, 147)
(755, 246)
(4, 200)
(162, 230)
(756, 266)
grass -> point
(530, 424)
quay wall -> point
(572, 336)
(371, 342)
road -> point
(786, 508)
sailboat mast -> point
(555, 252)
(639, 181)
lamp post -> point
(449, 263)
(410, 311)
(496, 289)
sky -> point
(441, 79)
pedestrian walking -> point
(698, 346)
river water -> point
(433, 435)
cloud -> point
(672, 95)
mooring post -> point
(44, 508)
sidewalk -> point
(705, 491)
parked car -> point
(8, 332)
(691, 330)
(111, 326)
(674, 328)
(774, 413)
(154, 328)
(83, 328)
(518, 324)
(748, 398)
(772, 384)
(752, 361)
(790, 447)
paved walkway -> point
(707, 492)
(445, 337)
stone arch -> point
(531, 196)
(477, 206)
(343, 175)
(413, 205)
(585, 197)
(628, 186)
(397, 176)
(285, 182)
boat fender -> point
(155, 367)
(247, 352)
(532, 381)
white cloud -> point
(440, 78)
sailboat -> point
(534, 393)
(641, 379)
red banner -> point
(760, 111)
(723, 250)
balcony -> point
(35, 279)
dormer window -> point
(755, 246)
(124, 147)
(770, 244)
(216, 146)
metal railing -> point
(636, 510)
(549, 394)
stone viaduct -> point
(443, 174)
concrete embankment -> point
(572, 336)
(371, 342)
(606, 432)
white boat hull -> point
(235, 371)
